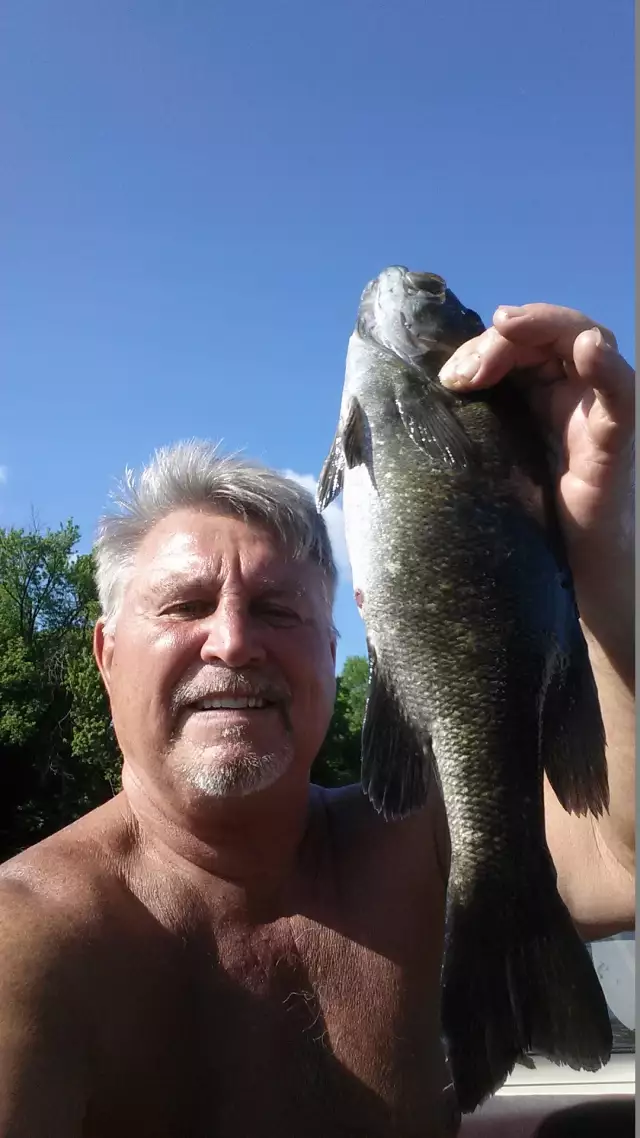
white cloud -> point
(4, 474)
(334, 519)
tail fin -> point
(517, 978)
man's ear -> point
(103, 645)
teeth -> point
(229, 704)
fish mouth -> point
(388, 308)
(426, 343)
(430, 283)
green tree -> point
(58, 755)
(338, 762)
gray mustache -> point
(234, 685)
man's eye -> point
(189, 609)
(277, 614)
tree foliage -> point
(58, 754)
(338, 762)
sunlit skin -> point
(214, 608)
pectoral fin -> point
(396, 763)
(425, 410)
(356, 437)
(331, 476)
(351, 447)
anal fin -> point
(396, 763)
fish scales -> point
(479, 674)
(430, 659)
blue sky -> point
(194, 196)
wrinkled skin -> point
(211, 599)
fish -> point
(479, 673)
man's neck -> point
(250, 850)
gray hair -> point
(195, 475)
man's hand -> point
(582, 392)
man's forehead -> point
(209, 547)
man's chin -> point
(232, 776)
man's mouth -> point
(240, 703)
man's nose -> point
(232, 637)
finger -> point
(539, 336)
(547, 326)
(485, 360)
(603, 370)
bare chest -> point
(296, 1030)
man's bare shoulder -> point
(419, 839)
(61, 881)
(55, 901)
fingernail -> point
(597, 338)
(509, 310)
(456, 373)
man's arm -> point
(595, 858)
(43, 1058)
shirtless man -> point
(222, 951)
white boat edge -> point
(617, 1077)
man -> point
(222, 951)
